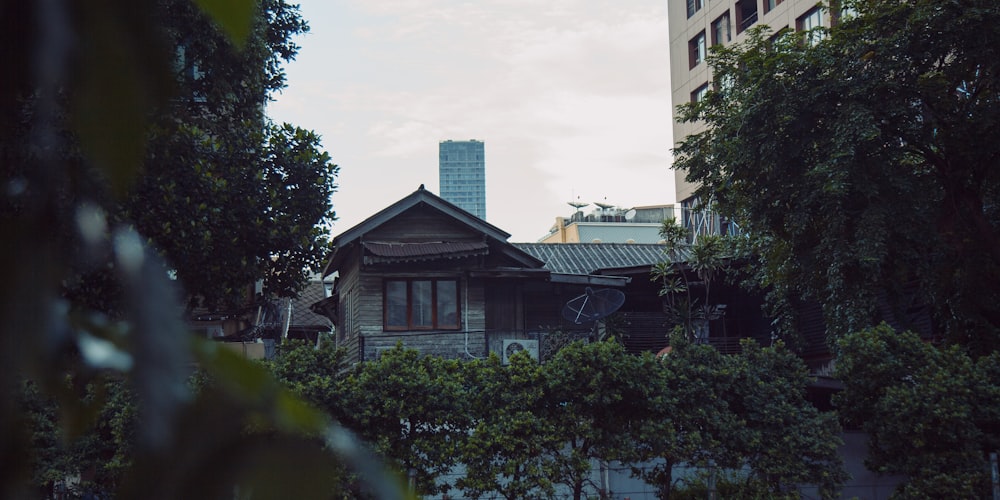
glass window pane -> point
(423, 304)
(447, 304)
(395, 304)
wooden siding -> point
(422, 223)
(504, 306)
(450, 345)
(349, 300)
(369, 319)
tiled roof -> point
(386, 251)
(314, 292)
(589, 258)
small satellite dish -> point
(593, 306)
(630, 214)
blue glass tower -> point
(462, 175)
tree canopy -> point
(124, 125)
(931, 412)
(862, 163)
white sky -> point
(570, 97)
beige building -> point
(610, 224)
(697, 25)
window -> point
(773, 39)
(746, 14)
(699, 93)
(843, 12)
(694, 6)
(811, 20)
(769, 5)
(420, 304)
(696, 49)
(721, 31)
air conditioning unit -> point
(511, 346)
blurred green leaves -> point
(235, 17)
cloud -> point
(569, 97)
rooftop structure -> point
(607, 223)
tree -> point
(683, 418)
(311, 371)
(705, 259)
(931, 412)
(504, 453)
(81, 105)
(412, 409)
(786, 442)
(227, 196)
(588, 392)
(862, 163)
(742, 416)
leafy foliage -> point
(504, 453)
(782, 437)
(738, 413)
(683, 417)
(862, 165)
(412, 409)
(687, 269)
(94, 111)
(930, 411)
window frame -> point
(811, 38)
(435, 304)
(728, 28)
(693, 6)
(697, 50)
(699, 93)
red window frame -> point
(451, 320)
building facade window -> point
(694, 6)
(746, 14)
(769, 5)
(699, 93)
(722, 30)
(812, 19)
(843, 12)
(420, 304)
(696, 47)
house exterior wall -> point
(469, 340)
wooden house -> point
(427, 274)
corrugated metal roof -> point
(589, 258)
(393, 251)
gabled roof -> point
(493, 237)
(302, 313)
(419, 196)
(592, 258)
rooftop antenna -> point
(604, 206)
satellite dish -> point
(604, 206)
(630, 214)
(577, 204)
(593, 306)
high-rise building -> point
(462, 175)
(697, 25)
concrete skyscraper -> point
(462, 175)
